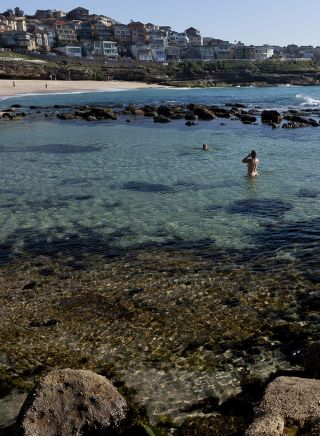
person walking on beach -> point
(13, 84)
(252, 163)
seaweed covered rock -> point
(71, 402)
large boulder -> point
(271, 116)
(288, 401)
(247, 118)
(102, 112)
(166, 111)
(204, 113)
(149, 110)
(220, 112)
(68, 402)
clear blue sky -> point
(280, 22)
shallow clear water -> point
(117, 184)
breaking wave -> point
(308, 101)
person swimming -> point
(205, 147)
(252, 163)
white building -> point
(106, 49)
(178, 39)
(72, 51)
(263, 53)
(142, 52)
(42, 39)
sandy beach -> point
(10, 88)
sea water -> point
(125, 244)
(119, 185)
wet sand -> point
(39, 86)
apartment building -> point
(194, 35)
(65, 32)
(107, 49)
(138, 33)
(121, 33)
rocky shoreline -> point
(192, 113)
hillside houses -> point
(80, 33)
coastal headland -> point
(184, 74)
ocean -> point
(165, 261)
(151, 184)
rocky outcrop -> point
(10, 114)
(101, 113)
(247, 118)
(149, 110)
(165, 113)
(271, 116)
(288, 402)
(203, 112)
(68, 402)
(302, 120)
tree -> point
(18, 12)
(8, 13)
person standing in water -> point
(252, 163)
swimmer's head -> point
(205, 147)
(253, 154)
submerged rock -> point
(71, 402)
(161, 119)
(9, 408)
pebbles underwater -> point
(188, 330)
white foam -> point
(48, 94)
(308, 101)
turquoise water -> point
(115, 185)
